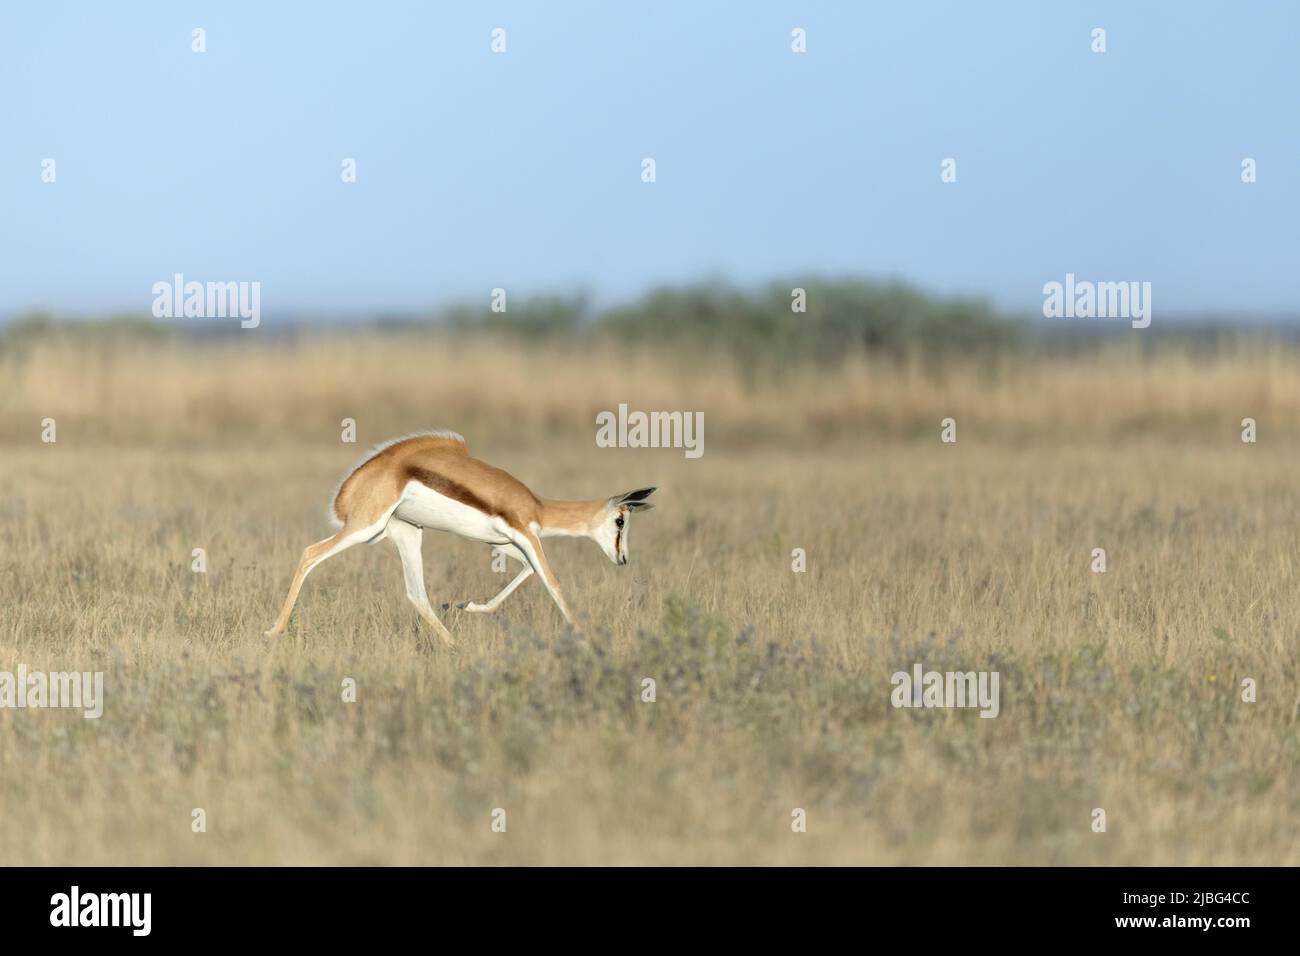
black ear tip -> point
(633, 497)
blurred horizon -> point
(522, 170)
(838, 314)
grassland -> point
(1118, 690)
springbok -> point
(430, 481)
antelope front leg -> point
(504, 593)
(532, 550)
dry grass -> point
(1118, 690)
(254, 389)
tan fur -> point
(444, 464)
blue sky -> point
(522, 170)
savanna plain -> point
(1120, 690)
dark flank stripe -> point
(452, 489)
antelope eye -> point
(618, 522)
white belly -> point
(421, 505)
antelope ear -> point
(638, 506)
(640, 494)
